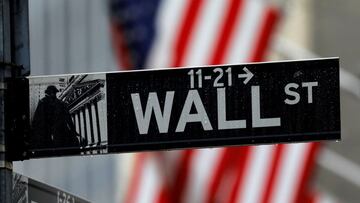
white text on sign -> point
(193, 99)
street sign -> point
(27, 190)
(247, 104)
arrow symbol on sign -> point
(248, 75)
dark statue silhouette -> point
(52, 126)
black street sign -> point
(246, 104)
(27, 190)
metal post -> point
(14, 62)
(5, 58)
(20, 46)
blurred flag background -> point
(198, 32)
(88, 35)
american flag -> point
(177, 33)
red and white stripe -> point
(147, 184)
(200, 32)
